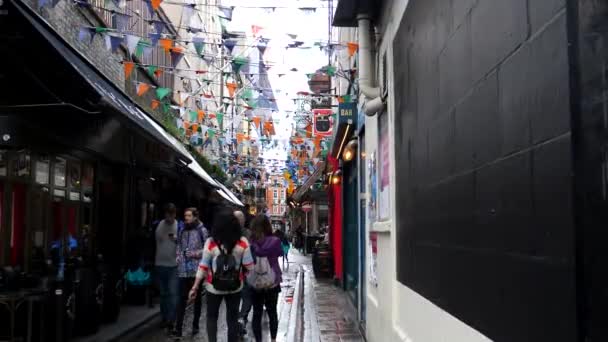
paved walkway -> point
(155, 334)
(325, 314)
(328, 314)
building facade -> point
(479, 146)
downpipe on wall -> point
(372, 95)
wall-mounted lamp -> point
(336, 177)
(350, 150)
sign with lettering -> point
(347, 113)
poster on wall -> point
(373, 261)
(323, 125)
(373, 188)
(385, 166)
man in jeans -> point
(166, 266)
(190, 243)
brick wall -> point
(67, 18)
(483, 158)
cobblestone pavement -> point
(156, 334)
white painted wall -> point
(395, 312)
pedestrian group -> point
(235, 261)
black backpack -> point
(227, 275)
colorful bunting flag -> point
(225, 12)
(231, 88)
(122, 21)
(352, 48)
(199, 44)
(128, 68)
(142, 88)
(155, 104)
(155, 4)
(201, 115)
(177, 53)
(132, 43)
(113, 42)
(220, 118)
(162, 92)
(159, 26)
(229, 44)
(154, 38)
(166, 44)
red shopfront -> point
(334, 194)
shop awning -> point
(194, 165)
(310, 181)
(225, 195)
(233, 198)
(109, 93)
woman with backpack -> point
(265, 279)
(225, 257)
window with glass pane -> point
(74, 168)
(59, 172)
(21, 165)
(3, 163)
(43, 170)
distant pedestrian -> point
(190, 243)
(267, 250)
(285, 245)
(226, 255)
(166, 265)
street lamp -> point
(350, 150)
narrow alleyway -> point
(324, 314)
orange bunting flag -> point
(309, 131)
(352, 48)
(231, 88)
(239, 137)
(142, 88)
(317, 142)
(155, 4)
(257, 120)
(128, 68)
(158, 72)
(194, 127)
(201, 115)
(186, 125)
(166, 44)
(155, 104)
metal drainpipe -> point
(371, 94)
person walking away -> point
(266, 276)
(285, 245)
(190, 243)
(166, 265)
(246, 303)
(225, 258)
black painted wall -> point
(589, 23)
(484, 154)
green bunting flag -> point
(220, 118)
(211, 133)
(331, 70)
(193, 116)
(100, 29)
(152, 70)
(162, 92)
(166, 107)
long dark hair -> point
(260, 227)
(226, 229)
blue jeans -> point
(167, 283)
